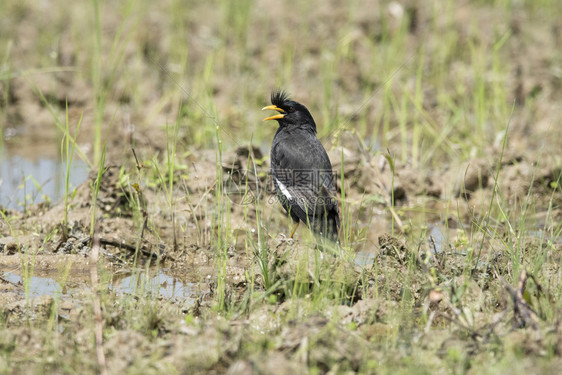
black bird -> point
(301, 169)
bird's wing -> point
(303, 174)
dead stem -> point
(98, 320)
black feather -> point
(278, 97)
(302, 171)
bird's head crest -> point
(278, 97)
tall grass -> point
(438, 103)
(221, 227)
(486, 221)
(67, 151)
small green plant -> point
(95, 191)
(67, 151)
(221, 221)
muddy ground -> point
(451, 265)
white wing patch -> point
(284, 189)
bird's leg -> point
(294, 229)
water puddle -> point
(38, 286)
(159, 285)
(25, 181)
(365, 258)
(437, 240)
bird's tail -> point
(328, 226)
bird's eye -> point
(291, 109)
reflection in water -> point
(161, 284)
(436, 239)
(38, 286)
(364, 258)
(25, 181)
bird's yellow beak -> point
(274, 108)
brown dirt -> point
(180, 236)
